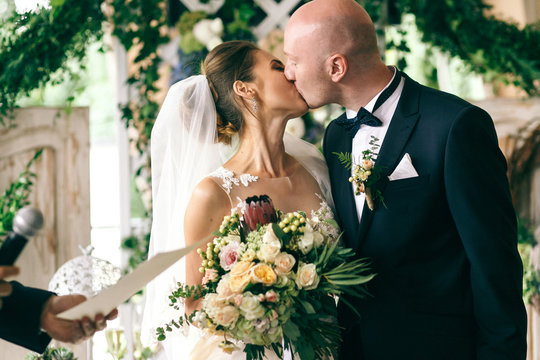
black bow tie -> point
(364, 117)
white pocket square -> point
(404, 170)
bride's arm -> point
(204, 214)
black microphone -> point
(26, 223)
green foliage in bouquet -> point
(270, 281)
(16, 195)
(51, 353)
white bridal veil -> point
(183, 152)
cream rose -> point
(284, 263)
(305, 243)
(227, 315)
(264, 274)
(212, 303)
(318, 239)
(306, 277)
(250, 307)
(223, 288)
(270, 247)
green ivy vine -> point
(16, 195)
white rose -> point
(318, 239)
(269, 236)
(306, 277)
(270, 247)
(250, 307)
(212, 303)
(227, 315)
(305, 243)
(268, 252)
(284, 263)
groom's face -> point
(305, 67)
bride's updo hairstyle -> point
(226, 63)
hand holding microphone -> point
(26, 223)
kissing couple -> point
(414, 178)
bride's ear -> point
(241, 89)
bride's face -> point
(275, 95)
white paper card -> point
(113, 296)
(404, 170)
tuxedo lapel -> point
(341, 187)
(397, 136)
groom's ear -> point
(241, 89)
(337, 67)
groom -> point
(442, 234)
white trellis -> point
(277, 13)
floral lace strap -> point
(228, 179)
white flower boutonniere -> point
(364, 172)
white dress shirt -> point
(360, 143)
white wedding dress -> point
(184, 151)
(193, 343)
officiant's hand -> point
(67, 330)
(5, 287)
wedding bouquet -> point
(270, 280)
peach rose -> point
(238, 283)
(241, 268)
(264, 274)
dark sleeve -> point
(481, 205)
(20, 317)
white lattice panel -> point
(277, 13)
(210, 8)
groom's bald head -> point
(323, 34)
(333, 26)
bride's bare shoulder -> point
(205, 211)
(208, 191)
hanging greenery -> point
(500, 50)
(36, 46)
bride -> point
(219, 138)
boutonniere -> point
(364, 172)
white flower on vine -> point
(209, 32)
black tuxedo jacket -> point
(20, 317)
(443, 244)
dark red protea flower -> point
(259, 210)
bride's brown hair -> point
(226, 63)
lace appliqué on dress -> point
(228, 178)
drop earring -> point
(254, 102)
